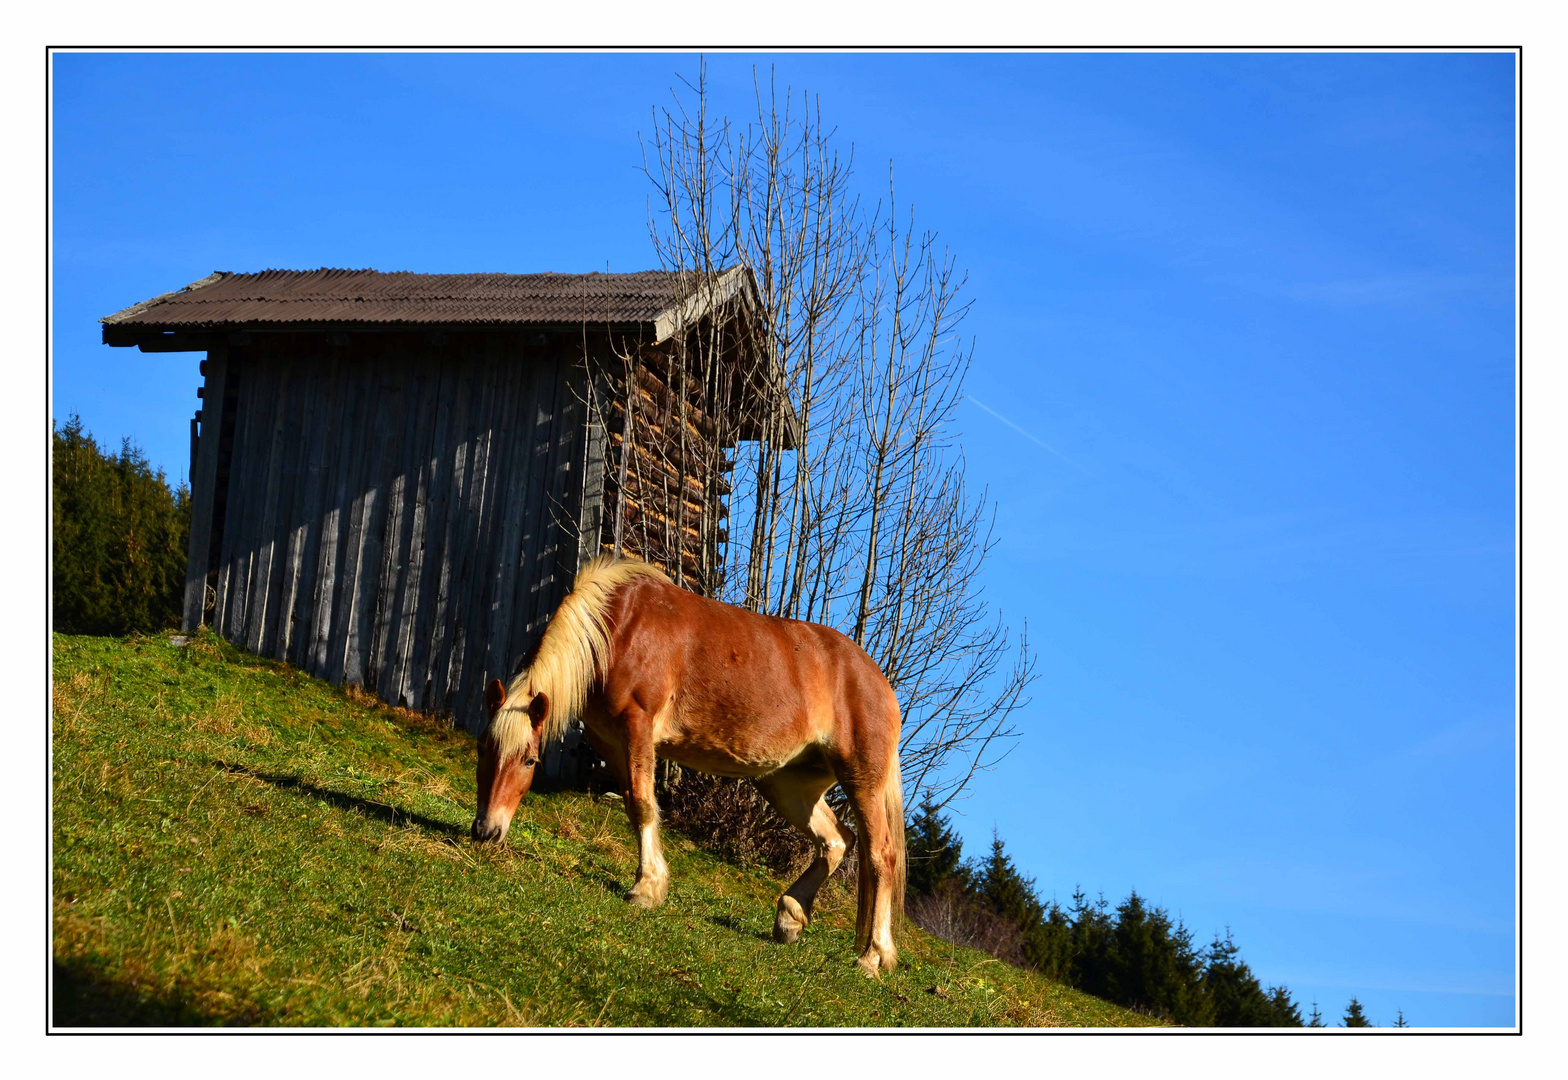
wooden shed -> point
(395, 476)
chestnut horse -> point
(654, 670)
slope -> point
(237, 843)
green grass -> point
(237, 843)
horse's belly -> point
(739, 758)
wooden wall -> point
(401, 511)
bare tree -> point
(849, 504)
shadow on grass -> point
(379, 811)
(85, 997)
(730, 922)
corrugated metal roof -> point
(337, 297)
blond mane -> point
(574, 649)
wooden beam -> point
(203, 481)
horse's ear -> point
(495, 695)
(539, 710)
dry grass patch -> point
(221, 718)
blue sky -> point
(1243, 395)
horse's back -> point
(739, 692)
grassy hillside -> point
(237, 843)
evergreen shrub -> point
(120, 538)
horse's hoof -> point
(791, 920)
(868, 964)
(645, 896)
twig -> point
(606, 1005)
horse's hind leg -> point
(797, 796)
(878, 866)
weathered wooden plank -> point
(537, 580)
(250, 478)
(203, 482)
(265, 543)
(421, 462)
(383, 544)
(477, 615)
(453, 531)
(561, 506)
(524, 511)
(360, 587)
(507, 555)
(357, 432)
(472, 531)
(223, 487)
(434, 512)
(434, 602)
(382, 661)
(339, 454)
(228, 523)
(242, 507)
(469, 607)
(282, 531)
(303, 430)
(590, 484)
(532, 617)
(552, 584)
(322, 410)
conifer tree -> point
(934, 851)
(1237, 997)
(1011, 896)
(1191, 1006)
(1285, 1012)
(1007, 891)
(1354, 1016)
(1316, 1019)
(1091, 946)
(1142, 959)
(1048, 945)
(120, 538)
(1399, 1021)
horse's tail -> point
(866, 853)
(893, 807)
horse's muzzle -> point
(483, 832)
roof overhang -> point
(731, 293)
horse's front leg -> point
(653, 874)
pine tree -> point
(120, 538)
(1399, 1021)
(1354, 1017)
(1011, 899)
(1006, 891)
(1090, 968)
(1048, 946)
(1316, 1019)
(1145, 964)
(1191, 1006)
(1237, 996)
(1285, 1011)
(934, 852)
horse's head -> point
(506, 767)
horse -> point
(654, 670)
